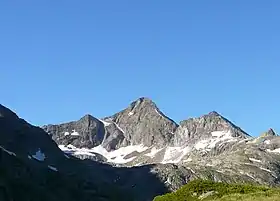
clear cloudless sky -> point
(62, 59)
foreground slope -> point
(209, 190)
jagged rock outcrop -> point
(26, 140)
(270, 133)
(195, 129)
(143, 123)
(87, 132)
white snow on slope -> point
(267, 170)
(70, 149)
(218, 136)
(66, 133)
(274, 151)
(267, 141)
(119, 127)
(201, 144)
(175, 154)
(75, 133)
(217, 133)
(40, 156)
(254, 160)
(130, 113)
(188, 160)
(153, 152)
(116, 156)
(52, 168)
(104, 122)
(9, 152)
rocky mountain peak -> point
(143, 123)
(195, 129)
(88, 118)
(213, 113)
(142, 102)
(270, 132)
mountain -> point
(142, 134)
(140, 125)
(212, 124)
(121, 159)
(143, 123)
(32, 168)
(207, 147)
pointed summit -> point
(195, 129)
(143, 102)
(88, 118)
(142, 122)
(214, 113)
(270, 132)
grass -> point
(198, 190)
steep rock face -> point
(114, 137)
(143, 123)
(87, 132)
(26, 140)
(195, 129)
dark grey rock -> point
(195, 129)
(143, 123)
(87, 132)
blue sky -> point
(62, 59)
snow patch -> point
(52, 168)
(201, 144)
(255, 160)
(130, 113)
(250, 176)
(9, 152)
(220, 171)
(66, 156)
(70, 149)
(191, 170)
(168, 181)
(274, 151)
(119, 127)
(219, 136)
(267, 170)
(29, 157)
(153, 152)
(66, 133)
(175, 154)
(218, 133)
(267, 141)
(74, 133)
(104, 122)
(40, 156)
(116, 156)
(188, 160)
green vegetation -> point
(209, 190)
